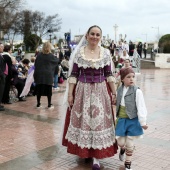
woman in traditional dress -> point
(89, 123)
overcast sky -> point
(133, 17)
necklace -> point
(91, 51)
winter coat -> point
(44, 68)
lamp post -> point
(158, 35)
(50, 33)
(115, 28)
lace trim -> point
(91, 139)
(72, 80)
(93, 63)
(111, 79)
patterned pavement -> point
(29, 137)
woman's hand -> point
(70, 100)
(113, 99)
(145, 127)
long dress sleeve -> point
(108, 74)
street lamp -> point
(115, 29)
(158, 35)
(50, 33)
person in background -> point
(116, 58)
(126, 64)
(61, 55)
(139, 49)
(56, 75)
(89, 124)
(64, 63)
(145, 49)
(131, 115)
(7, 58)
(45, 64)
(17, 80)
(36, 52)
(68, 52)
(24, 65)
(126, 47)
(32, 61)
(131, 48)
(19, 54)
(112, 47)
(2, 76)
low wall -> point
(28, 55)
(162, 60)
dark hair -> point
(7, 48)
(93, 27)
(25, 61)
(127, 59)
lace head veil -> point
(82, 42)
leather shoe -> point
(8, 102)
(22, 100)
(2, 109)
(95, 167)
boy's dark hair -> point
(25, 61)
(7, 48)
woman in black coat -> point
(44, 73)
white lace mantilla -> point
(101, 139)
(103, 60)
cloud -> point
(134, 17)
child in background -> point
(126, 64)
(20, 74)
(131, 115)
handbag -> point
(61, 80)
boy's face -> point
(129, 79)
(127, 63)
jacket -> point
(44, 68)
(130, 101)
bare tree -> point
(43, 25)
(35, 22)
(8, 13)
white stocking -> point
(96, 161)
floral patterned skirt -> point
(89, 127)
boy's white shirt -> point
(140, 104)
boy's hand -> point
(145, 127)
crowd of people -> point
(15, 71)
(122, 50)
(91, 129)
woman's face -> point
(94, 36)
(124, 53)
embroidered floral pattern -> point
(91, 122)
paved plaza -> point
(29, 137)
